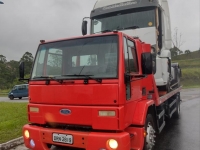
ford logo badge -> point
(65, 111)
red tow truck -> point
(97, 92)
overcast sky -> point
(23, 23)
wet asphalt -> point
(182, 133)
(178, 134)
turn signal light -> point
(26, 134)
(113, 144)
(34, 109)
(107, 113)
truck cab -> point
(86, 92)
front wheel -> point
(149, 140)
(11, 97)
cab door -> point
(133, 84)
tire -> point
(149, 140)
(178, 109)
(20, 97)
(11, 97)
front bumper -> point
(85, 140)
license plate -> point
(62, 138)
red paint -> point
(86, 100)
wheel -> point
(11, 97)
(177, 112)
(20, 97)
(149, 140)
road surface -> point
(181, 134)
(16, 100)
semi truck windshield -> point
(117, 21)
(94, 56)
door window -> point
(133, 65)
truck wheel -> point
(149, 140)
(177, 112)
(20, 97)
(11, 97)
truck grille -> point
(70, 127)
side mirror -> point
(147, 65)
(21, 70)
(84, 27)
(127, 78)
(154, 53)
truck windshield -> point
(117, 21)
(77, 58)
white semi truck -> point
(149, 20)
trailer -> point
(97, 92)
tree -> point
(27, 58)
(177, 41)
(5, 76)
(13, 69)
(9, 70)
(180, 52)
(174, 51)
(2, 59)
(187, 52)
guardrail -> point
(3, 93)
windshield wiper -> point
(118, 29)
(88, 76)
(131, 27)
(48, 78)
(104, 31)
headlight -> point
(113, 144)
(26, 134)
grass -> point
(4, 92)
(190, 73)
(12, 118)
(192, 55)
(190, 63)
(190, 66)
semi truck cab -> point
(147, 19)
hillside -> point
(190, 65)
(192, 55)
